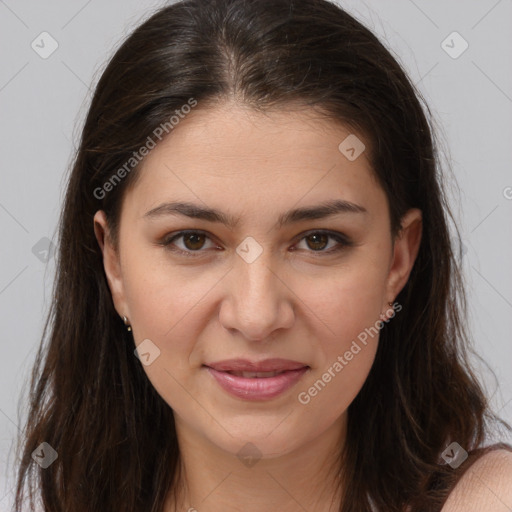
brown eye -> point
(188, 243)
(194, 241)
(321, 242)
(317, 241)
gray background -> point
(43, 103)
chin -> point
(260, 440)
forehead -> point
(234, 154)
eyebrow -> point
(321, 211)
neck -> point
(214, 480)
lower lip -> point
(257, 388)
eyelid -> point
(342, 239)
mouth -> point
(256, 375)
(263, 366)
(262, 380)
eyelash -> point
(342, 240)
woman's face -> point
(278, 283)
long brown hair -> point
(90, 399)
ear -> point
(405, 250)
(111, 263)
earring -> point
(384, 315)
(125, 320)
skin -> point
(294, 301)
(486, 485)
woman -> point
(257, 306)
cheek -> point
(347, 301)
(165, 308)
(348, 305)
(161, 295)
(351, 308)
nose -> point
(258, 301)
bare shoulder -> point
(486, 485)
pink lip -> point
(263, 388)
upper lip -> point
(267, 365)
